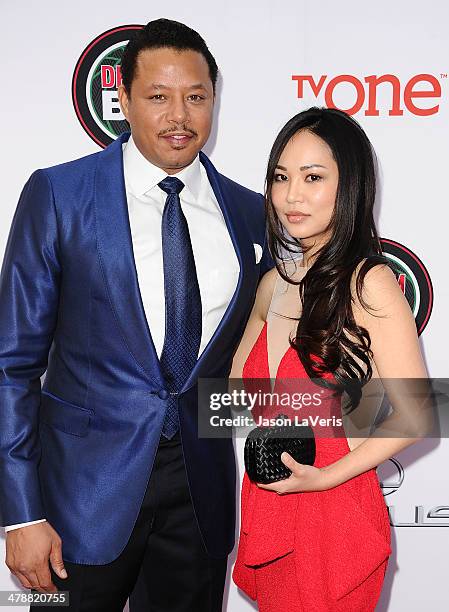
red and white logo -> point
(420, 95)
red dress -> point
(324, 551)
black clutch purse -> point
(264, 446)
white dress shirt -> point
(216, 262)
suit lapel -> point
(117, 259)
(119, 269)
(245, 253)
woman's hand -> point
(303, 478)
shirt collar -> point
(141, 175)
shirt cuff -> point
(11, 527)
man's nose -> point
(178, 111)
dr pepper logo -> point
(413, 279)
(95, 82)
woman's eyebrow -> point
(311, 166)
(302, 168)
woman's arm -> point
(255, 323)
(396, 355)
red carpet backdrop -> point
(385, 63)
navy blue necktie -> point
(182, 302)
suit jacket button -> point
(163, 394)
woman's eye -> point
(280, 177)
(313, 178)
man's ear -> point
(123, 100)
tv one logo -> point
(364, 93)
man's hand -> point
(28, 551)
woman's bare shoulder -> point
(265, 293)
(380, 292)
(255, 322)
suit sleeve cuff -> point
(11, 527)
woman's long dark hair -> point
(327, 328)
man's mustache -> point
(179, 129)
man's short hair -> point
(162, 33)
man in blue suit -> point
(128, 275)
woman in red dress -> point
(319, 541)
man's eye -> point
(157, 97)
(280, 177)
(313, 178)
(196, 98)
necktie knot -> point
(171, 185)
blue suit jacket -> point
(80, 451)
